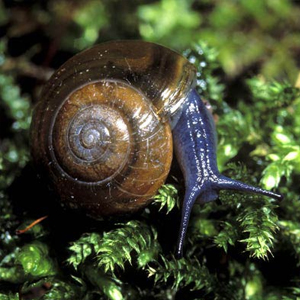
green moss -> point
(231, 244)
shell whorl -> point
(91, 136)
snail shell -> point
(102, 130)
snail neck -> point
(195, 148)
(195, 142)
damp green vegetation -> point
(240, 247)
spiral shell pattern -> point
(101, 130)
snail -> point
(104, 129)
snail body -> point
(103, 130)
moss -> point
(246, 58)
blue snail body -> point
(195, 142)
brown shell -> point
(100, 130)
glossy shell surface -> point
(101, 129)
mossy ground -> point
(240, 247)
